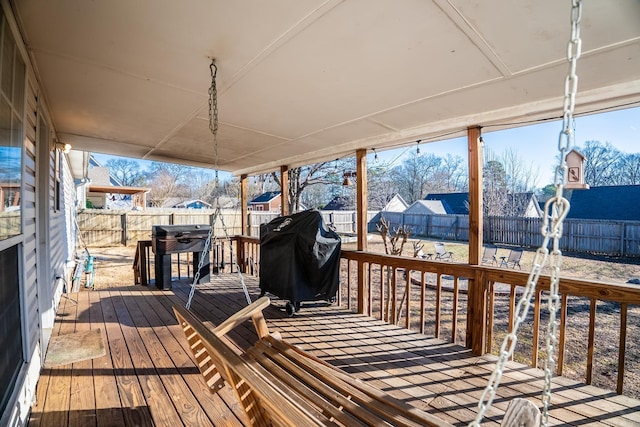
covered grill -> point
(173, 239)
(299, 259)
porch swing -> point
(261, 379)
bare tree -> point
(382, 187)
(629, 167)
(602, 166)
(304, 177)
(508, 183)
(126, 171)
(167, 180)
(394, 241)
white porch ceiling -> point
(308, 80)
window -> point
(11, 353)
(12, 79)
(12, 91)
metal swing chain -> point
(213, 127)
(555, 211)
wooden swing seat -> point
(277, 384)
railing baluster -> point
(369, 290)
(563, 330)
(394, 296)
(381, 292)
(623, 347)
(423, 288)
(490, 316)
(512, 309)
(591, 344)
(438, 298)
(536, 329)
(407, 290)
(454, 315)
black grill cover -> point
(299, 258)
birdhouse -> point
(575, 170)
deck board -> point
(149, 378)
(108, 407)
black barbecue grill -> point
(174, 239)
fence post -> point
(123, 222)
(172, 219)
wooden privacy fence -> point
(113, 228)
(614, 238)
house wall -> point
(45, 247)
(259, 207)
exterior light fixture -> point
(375, 155)
(418, 147)
(65, 148)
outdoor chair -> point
(441, 252)
(489, 255)
(512, 260)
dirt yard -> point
(114, 269)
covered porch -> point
(148, 376)
(298, 83)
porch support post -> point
(477, 308)
(362, 206)
(244, 205)
(284, 190)
(475, 195)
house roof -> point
(429, 206)
(614, 203)
(117, 190)
(186, 203)
(454, 203)
(458, 203)
(310, 85)
(266, 197)
(339, 203)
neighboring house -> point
(524, 205)
(453, 203)
(105, 192)
(521, 204)
(426, 207)
(269, 201)
(340, 203)
(613, 203)
(193, 204)
(396, 204)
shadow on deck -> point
(148, 377)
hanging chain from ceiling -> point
(555, 211)
(213, 114)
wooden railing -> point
(597, 321)
(248, 250)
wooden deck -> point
(148, 378)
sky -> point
(537, 144)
